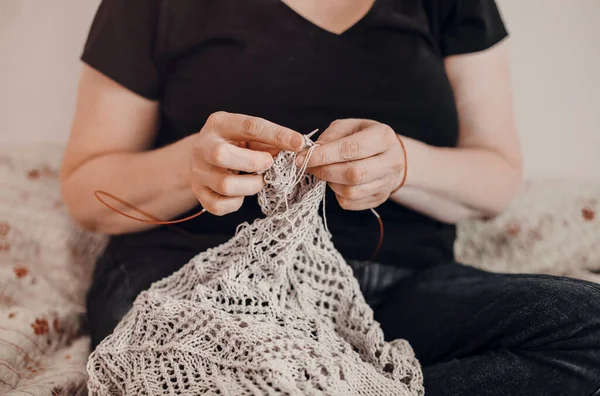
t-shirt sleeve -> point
(471, 26)
(122, 44)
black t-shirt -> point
(261, 58)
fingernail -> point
(300, 159)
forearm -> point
(156, 181)
(434, 205)
(451, 184)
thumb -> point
(341, 128)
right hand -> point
(231, 143)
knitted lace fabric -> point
(274, 311)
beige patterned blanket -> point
(45, 262)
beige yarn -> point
(274, 311)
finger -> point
(362, 191)
(231, 156)
(255, 129)
(267, 148)
(356, 172)
(342, 128)
(233, 185)
(361, 204)
(215, 203)
(363, 144)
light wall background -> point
(555, 57)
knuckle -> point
(337, 123)
(279, 136)
(222, 207)
(237, 204)
(397, 166)
(382, 196)
(217, 117)
(255, 188)
(355, 175)
(344, 203)
(321, 173)
(218, 155)
(216, 207)
(378, 199)
(388, 131)
(378, 202)
(349, 204)
(225, 186)
(254, 164)
(220, 210)
(352, 193)
(326, 172)
(349, 150)
(322, 157)
(263, 161)
(253, 126)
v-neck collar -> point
(313, 25)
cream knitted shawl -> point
(274, 311)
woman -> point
(182, 102)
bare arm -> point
(363, 160)
(481, 175)
(108, 150)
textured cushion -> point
(552, 227)
(45, 265)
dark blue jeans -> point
(475, 333)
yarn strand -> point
(153, 219)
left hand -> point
(362, 161)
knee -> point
(560, 309)
(570, 297)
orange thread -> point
(381, 228)
(405, 165)
(154, 220)
(381, 233)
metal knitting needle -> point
(312, 133)
(309, 136)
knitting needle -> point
(309, 136)
(312, 133)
